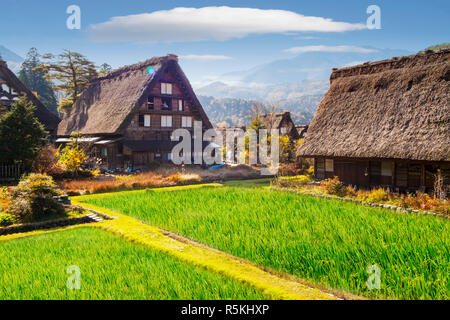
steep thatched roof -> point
(279, 121)
(397, 108)
(45, 116)
(109, 102)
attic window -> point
(166, 88)
(166, 104)
(151, 103)
(144, 120)
(180, 105)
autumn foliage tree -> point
(72, 156)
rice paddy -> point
(328, 242)
(110, 268)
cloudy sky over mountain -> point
(218, 37)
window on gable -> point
(180, 105)
(186, 122)
(141, 120)
(166, 104)
(146, 120)
(166, 121)
(166, 88)
(151, 103)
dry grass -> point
(164, 176)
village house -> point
(129, 114)
(281, 121)
(385, 123)
(11, 88)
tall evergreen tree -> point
(22, 136)
(104, 69)
(72, 72)
(35, 80)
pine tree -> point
(71, 72)
(256, 123)
(22, 136)
(104, 69)
(35, 80)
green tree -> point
(71, 73)
(22, 136)
(104, 69)
(35, 80)
(256, 123)
(72, 156)
(439, 47)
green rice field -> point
(111, 268)
(327, 242)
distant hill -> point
(13, 59)
(236, 111)
(296, 85)
(307, 66)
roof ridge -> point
(428, 56)
(136, 66)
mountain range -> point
(296, 84)
(13, 60)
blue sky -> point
(212, 50)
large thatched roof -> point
(397, 108)
(105, 107)
(44, 115)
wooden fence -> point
(11, 173)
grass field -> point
(111, 268)
(328, 242)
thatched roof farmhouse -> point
(281, 121)
(11, 88)
(384, 123)
(144, 102)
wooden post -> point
(393, 174)
(422, 176)
(315, 168)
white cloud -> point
(210, 23)
(308, 38)
(204, 57)
(322, 48)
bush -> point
(333, 187)
(310, 171)
(295, 181)
(72, 175)
(33, 199)
(6, 220)
(47, 162)
(291, 169)
(376, 195)
(351, 192)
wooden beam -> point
(422, 175)
(393, 174)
